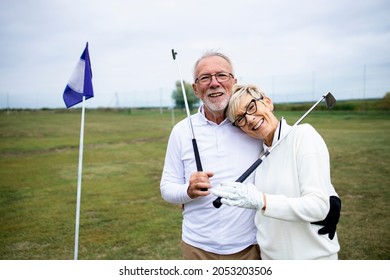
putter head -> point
(174, 54)
(330, 100)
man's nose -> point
(214, 82)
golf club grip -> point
(217, 202)
(249, 170)
(197, 159)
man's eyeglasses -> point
(251, 108)
(221, 78)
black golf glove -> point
(331, 219)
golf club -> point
(194, 144)
(330, 102)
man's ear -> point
(195, 90)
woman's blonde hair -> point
(240, 91)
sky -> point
(294, 50)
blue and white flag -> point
(80, 83)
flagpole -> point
(76, 238)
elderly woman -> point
(293, 184)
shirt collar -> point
(283, 128)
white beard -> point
(216, 106)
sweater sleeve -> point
(313, 177)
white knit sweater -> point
(296, 180)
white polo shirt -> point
(227, 152)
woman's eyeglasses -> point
(251, 108)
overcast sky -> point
(282, 46)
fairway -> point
(123, 216)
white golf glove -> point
(239, 194)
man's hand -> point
(331, 219)
(199, 182)
(239, 194)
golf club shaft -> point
(217, 202)
(194, 143)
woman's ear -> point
(268, 102)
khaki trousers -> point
(192, 253)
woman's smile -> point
(260, 123)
